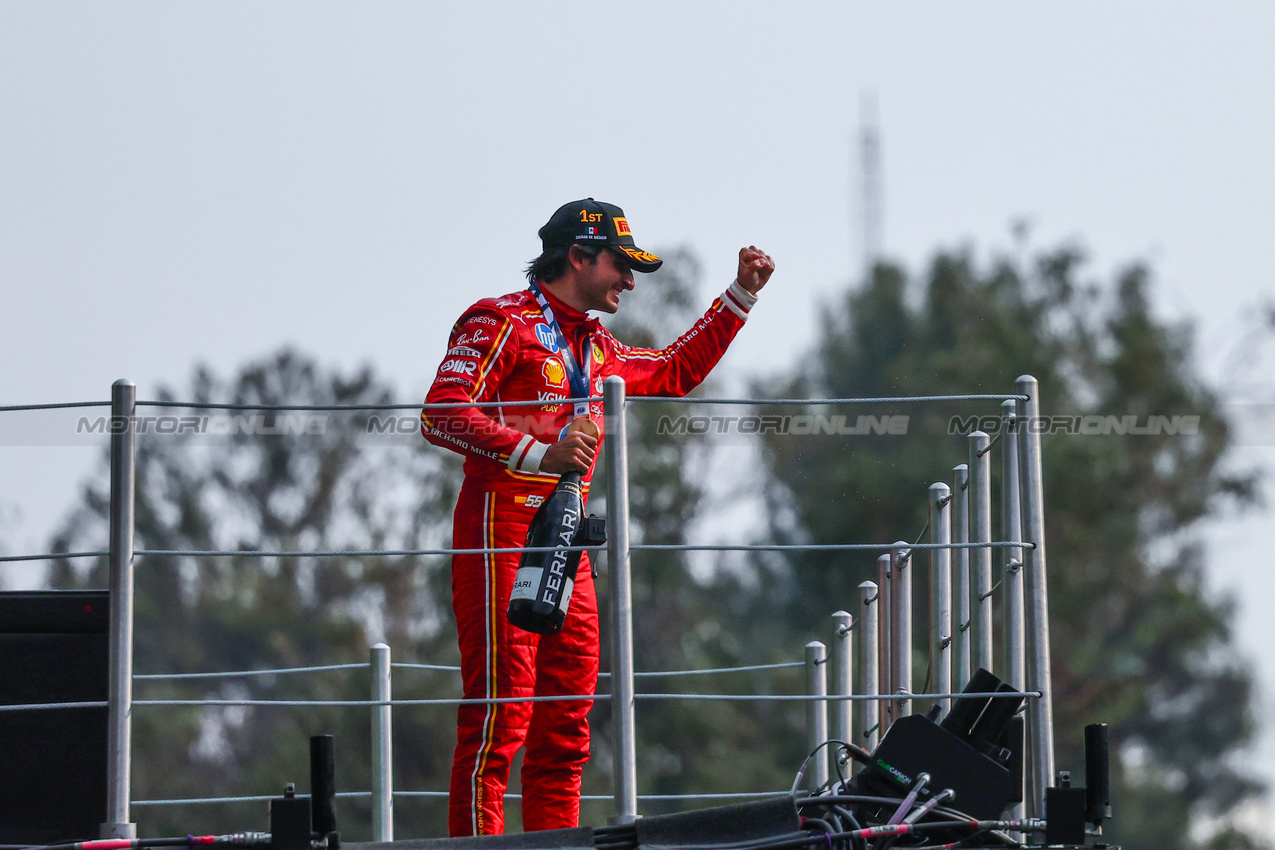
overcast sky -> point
(184, 182)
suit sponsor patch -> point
(459, 366)
(553, 370)
(547, 337)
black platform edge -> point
(721, 825)
(580, 838)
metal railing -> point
(871, 680)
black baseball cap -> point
(590, 222)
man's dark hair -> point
(553, 263)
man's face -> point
(603, 279)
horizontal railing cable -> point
(407, 665)
(207, 405)
(336, 408)
(746, 669)
(840, 697)
(251, 798)
(448, 668)
(368, 703)
(54, 406)
(439, 795)
(909, 399)
(50, 706)
(55, 556)
(636, 547)
(348, 553)
(462, 701)
(236, 673)
(816, 547)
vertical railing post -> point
(621, 592)
(816, 713)
(841, 685)
(901, 627)
(981, 532)
(885, 638)
(120, 697)
(1040, 712)
(1012, 530)
(382, 746)
(961, 669)
(867, 715)
(941, 591)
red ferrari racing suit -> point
(502, 350)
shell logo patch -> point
(622, 227)
(554, 372)
(597, 355)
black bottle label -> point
(545, 580)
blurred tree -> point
(281, 481)
(1138, 642)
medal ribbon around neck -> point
(577, 379)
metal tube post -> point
(621, 591)
(1012, 530)
(901, 620)
(885, 676)
(961, 669)
(941, 591)
(817, 712)
(839, 719)
(867, 715)
(382, 747)
(120, 698)
(1040, 712)
(981, 532)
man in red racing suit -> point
(505, 350)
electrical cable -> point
(854, 824)
(888, 801)
(237, 839)
(855, 752)
(930, 805)
(922, 780)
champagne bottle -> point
(545, 580)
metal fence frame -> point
(871, 654)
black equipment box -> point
(53, 648)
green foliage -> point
(1137, 641)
